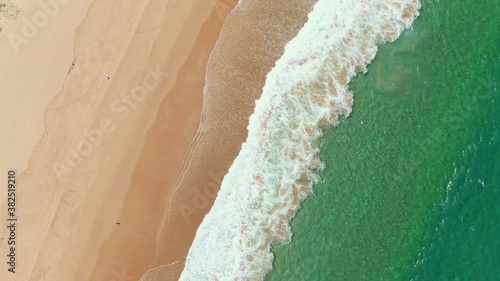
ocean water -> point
(277, 165)
(411, 188)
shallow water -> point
(412, 180)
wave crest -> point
(274, 171)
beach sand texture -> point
(83, 87)
(119, 135)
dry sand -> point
(68, 88)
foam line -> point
(274, 171)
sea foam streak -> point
(273, 172)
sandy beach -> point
(103, 101)
(128, 127)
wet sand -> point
(244, 54)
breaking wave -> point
(306, 91)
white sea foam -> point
(274, 170)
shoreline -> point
(234, 81)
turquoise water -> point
(412, 185)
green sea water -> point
(412, 185)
